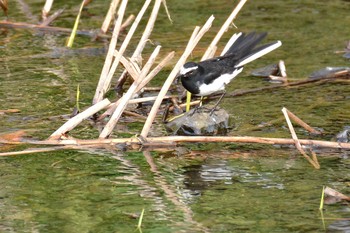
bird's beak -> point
(177, 79)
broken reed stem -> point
(73, 122)
(109, 57)
(196, 36)
(127, 22)
(224, 28)
(130, 68)
(302, 123)
(46, 9)
(143, 83)
(107, 130)
(297, 142)
(136, 57)
(147, 32)
(282, 68)
(51, 18)
(107, 81)
(156, 70)
(110, 15)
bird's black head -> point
(188, 75)
(188, 70)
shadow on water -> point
(209, 188)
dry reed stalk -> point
(302, 123)
(110, 15)
(182, 106)
(143, 83)
(109, 57)
(130, 68)
(46, 9)
(155, 71)
(51, 18)
(73, 122)
(107, 81)
(136, 56)
(36, 150)
(196, 36)
(127, 22)
(297, 142)
(107, 130)
(147, 32)
(224, 28)
(282, 68)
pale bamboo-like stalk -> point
(136, 56)
(196, 36)
(147, 32)
(46, 9)
(302, 123)
(51, 18)
(127, 22)
(146, 99)
(110, 15)
(297, 142)
(224, 27)
(155, 71)
(100, 91)
(107, 130)
(76, 120)
(130, 68)
(143, 83)
(282, 68)
(107, 81)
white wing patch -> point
(218, 84)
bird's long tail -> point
(244, 47)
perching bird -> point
(212, 75)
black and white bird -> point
(210, 76)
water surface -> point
(209, 188)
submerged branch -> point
(174, 140)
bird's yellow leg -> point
(188, 101)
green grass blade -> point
(75, 28)
(140, 219)
(78, 98)
(322, 199)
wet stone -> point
(266, 71)
(347, 55)
(327, 72)
(344, 136)
(200, 123)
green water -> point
(209, 188)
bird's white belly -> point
(218, 84)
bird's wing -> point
(212, 71)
